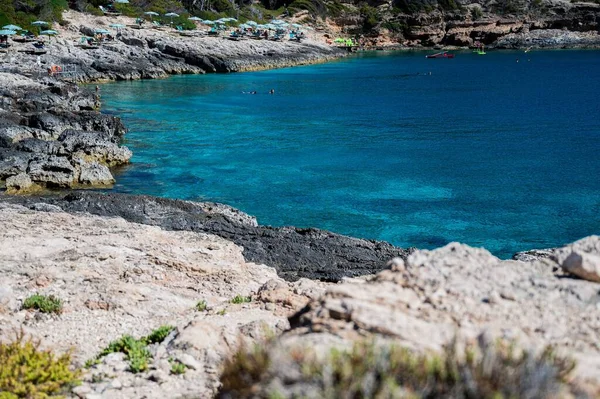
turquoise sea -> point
(391, 146)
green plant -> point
(493, 370)
(45, 304)
(177, 367)
(222, 312)
(476, 13)
(28, 372)
(241, 299)
(201, 306)
(135, 349)
(158, 335)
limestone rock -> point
(95, 174)
(18, 184)
(584, 265)
(52, 170)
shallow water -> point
(484, 150)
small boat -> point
(440, 55)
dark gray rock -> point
(38, 146)
(51, 170)
(294, 252)
(13, 162)
(76, 140)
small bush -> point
(45, 304)
(158, 335)
(28, 372)
(370, 371)
(222, 312)
(135, 349)
(241, 299)
(177, 367)
(201, 306)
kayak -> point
(440, 55)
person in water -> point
(272, 91)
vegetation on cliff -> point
(26, 371)
(494, 370)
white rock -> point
(584, 265)
(95, 174)
(189, 361)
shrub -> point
(177, 367)
(158, 335)
(493, 371)
(45, 304)
(241, 299)
(28, 372)
(135, 349)
(201, 306)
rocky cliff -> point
(505, 24)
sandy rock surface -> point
(117, 278)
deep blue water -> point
(485, 150)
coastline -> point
(125, 265)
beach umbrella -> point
(244, 26)
(171, 14)
(12, 27)
(122, 1)
(118, 26)
(39, 23)
(229, 19)
(49, 32)
(152, 13)
(101, 31)
(195, 19)
(252, 23)
(208, 22)
(278, 22)
(297, 25)
(7, 32)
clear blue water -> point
(485, 150)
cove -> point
(483, 150)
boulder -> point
(18, 184)
(13, 134)
(13, 162)
(95, 174)
(52, 170)
(584, 265)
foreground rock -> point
(294, 252)
(117, 278)
(427, 301)
(120, 278)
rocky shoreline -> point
(52, 134)
(116, 278)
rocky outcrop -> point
(120, 278)
(295, 253)
(508, 24)
(50, 134)
(128, 279)
(434, 299)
